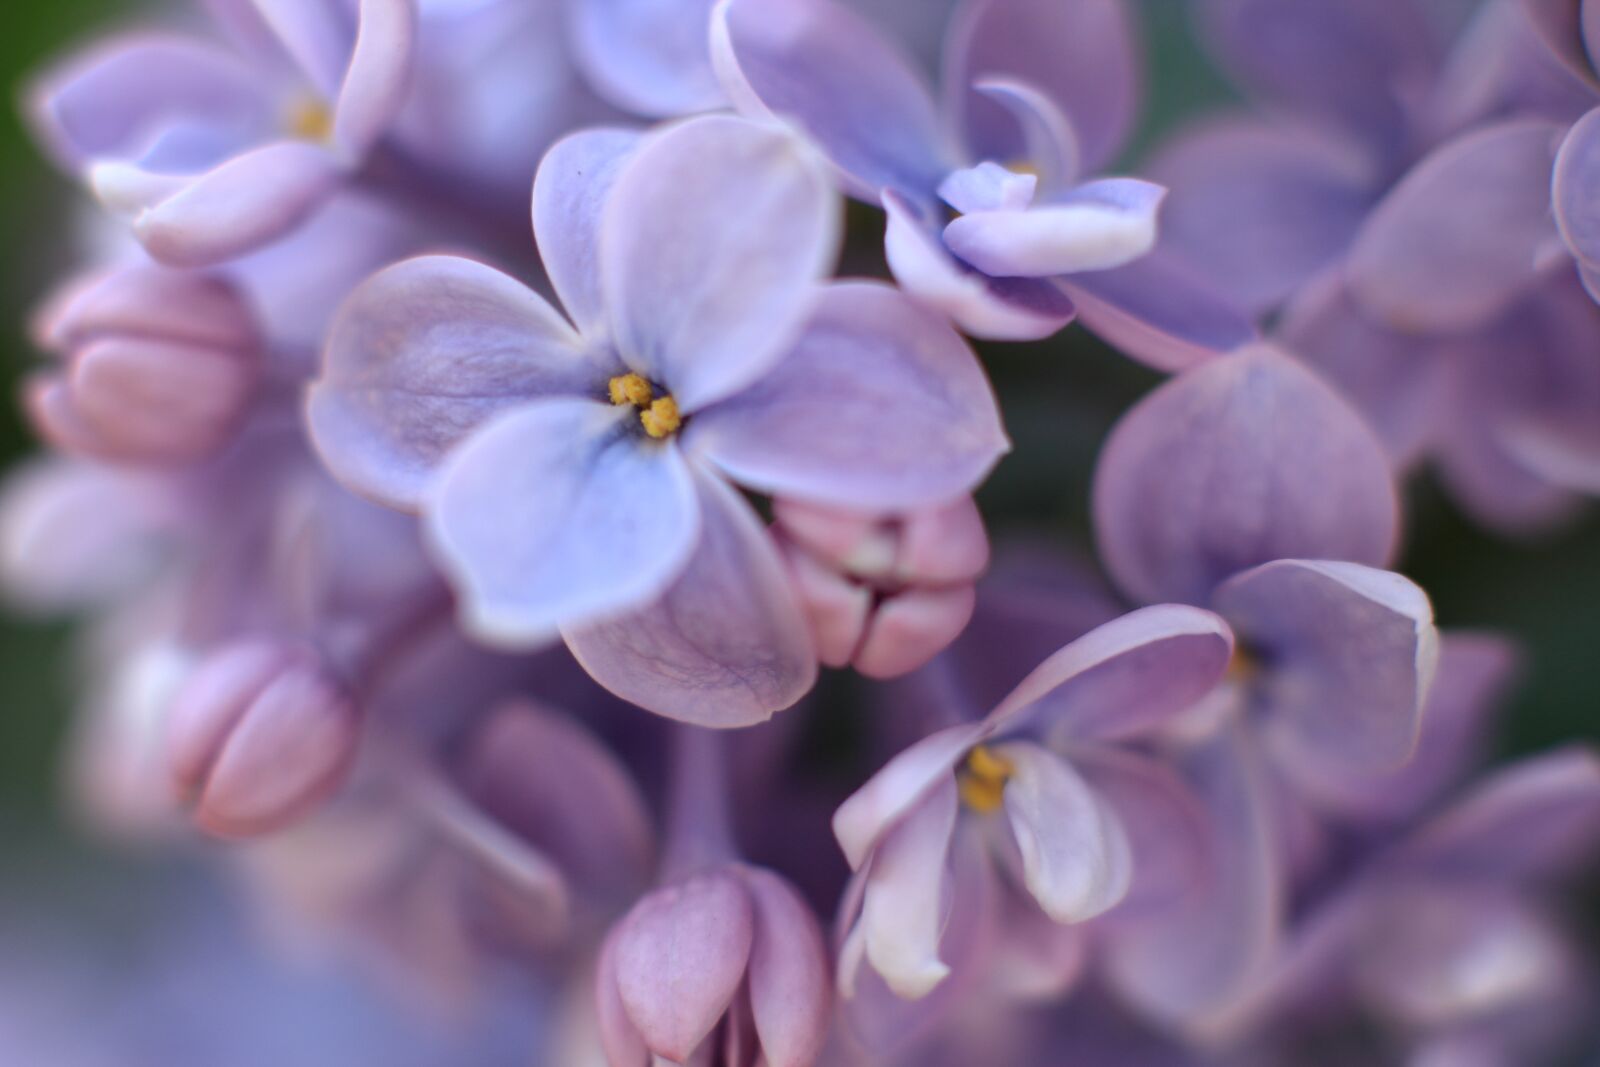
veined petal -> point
(240, 205)
(903, 912)
(1349, 652)
(1416, 266)
(702, 301)
(1082, 56)
(819, 64)
(557, 513)
(879, 405)
(1159, 311)
(726, 644)
(1283, 469)
(379, 73)
(1097, 226)
(1123, 678)
(569, 195)
(648, 56)
(998, 309)
(680, 958)
(1076, 858)
(423, 353)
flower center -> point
(982, 780)
(1243, 667)
(658, 415)
(309, 119)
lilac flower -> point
(212, 151)
(577, 481)
(1280, 523)
(884, 594)
(1359, 158)
(723, 963)
(1036, 95)
(1507, 412)
(1442, 935)
(1048, 756)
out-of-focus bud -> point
(259, 735)
(726, 967)
(884, 594)
(157, 366)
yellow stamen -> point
(1243, 667)
(631, 389)
(309, 119)
(982, 781)
(662, 418)
(1023, 166)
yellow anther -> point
(1243, 667)
(1023, 166)
(631, 389)
(982, 781)
(309, 119)
(662, 418)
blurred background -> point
(1062, 398)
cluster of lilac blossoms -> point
(478, 590)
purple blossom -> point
(1035, 96)
(213, 150)
(704, 351)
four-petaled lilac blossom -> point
(922, 834)
(578, 480)
(884, 594)
(211, 150)
(1036, 95)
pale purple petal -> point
(1348, 653)
(569, 195)
(1348, 63)
(680, 957)
(1395, 380)
(726, 644)
(1123, 678)
(903, 913)
(1535, 819)
(1052, 149)
(1165, 822)
(619, 1038)
(421, 355)
(987, 187)
(1576, 188)
(880, 405)
(1160, 312)
(1242, 461)
(1076, 859)
(791, 988)
(315, 34)
(1191, 964)
(888, 796)
(998, 309)
(240, 205)
(1475, 670)
(1259, 207)
(702, 301)
(557, 513)
(114, 101)
(1083, 56)
(1417, 267)
(1033, 958)
(375, 84)
(650, 57)
(819, 64)
(1097, 226)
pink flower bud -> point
(731, 960)
(259, 735)
(884, 594)
(158, 366)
